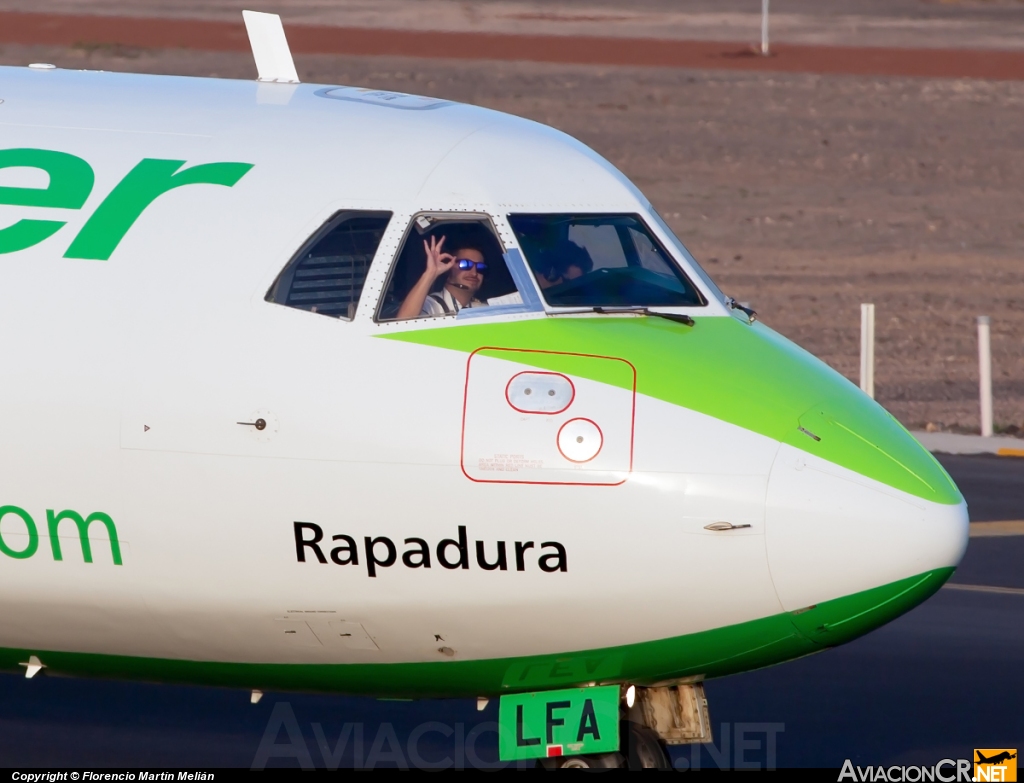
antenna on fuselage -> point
(274, 61)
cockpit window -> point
(601, 261)
(448, 263)
(327, 275)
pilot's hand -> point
(438, 263)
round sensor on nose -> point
(580, 440)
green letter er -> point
(151, 178)
(71, 180)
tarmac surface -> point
(934, 684)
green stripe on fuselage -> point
(714, 653)
(749, 376)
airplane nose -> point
(847, 551)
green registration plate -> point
(558, 723)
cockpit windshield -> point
(601, 261)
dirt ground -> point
(804, 195)
(930, 48)
(946, 24)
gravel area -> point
(971, 24)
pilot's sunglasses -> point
(465, 263)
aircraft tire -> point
(643, 749)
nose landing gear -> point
(644, 749)
(672, 715)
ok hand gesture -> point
(438, 263)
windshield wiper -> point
(734, 305)
(679, 318)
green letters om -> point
(30, 527)
(53, 521)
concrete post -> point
(985, 373)
(764, 27)
(867, 349)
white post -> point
(764, 27)
(985, 373)
(867, 349)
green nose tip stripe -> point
(748, 376)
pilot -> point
(561, 264)
(465, 274)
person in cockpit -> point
(563, 263)
(464, 272)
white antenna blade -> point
(270, 48)
(32, 666)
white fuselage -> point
(128, 384)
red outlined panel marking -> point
(506, 442)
